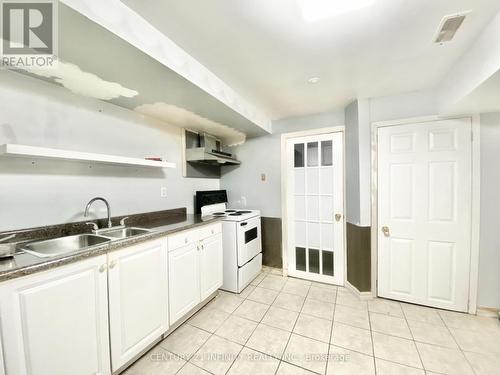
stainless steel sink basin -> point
(123, 232)
(62, 245)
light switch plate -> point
(163, 192)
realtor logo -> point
(29, 33)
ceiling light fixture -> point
(313, 80)
(314, 10)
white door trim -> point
(284, 190)
(475, 222)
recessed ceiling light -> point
(313, 80)
(314, 10)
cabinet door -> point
(56, 322)
(138, 298)
(211, 265)
(184, 280)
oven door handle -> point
(243, 224)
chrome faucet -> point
(107, 206)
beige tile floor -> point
(288, 326)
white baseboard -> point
(360, 295)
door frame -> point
(475, 219)
(284, 190)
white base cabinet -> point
(195, 269)
(95, 316)
(138, 299)
(184, 281)
(210, 265)
(56, 322)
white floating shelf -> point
(52, 153)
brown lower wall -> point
(358, 251)
(271, 242)
(359, 257)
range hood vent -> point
(449, 26)
(208, 151)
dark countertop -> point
(161, 225)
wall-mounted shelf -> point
(15, 150)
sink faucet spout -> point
(107, 207)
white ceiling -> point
(483, 99)
(266, 52)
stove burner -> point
(245, 212)
(235, 214)
(230, 211)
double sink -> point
(68, 244)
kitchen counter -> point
(160, 223)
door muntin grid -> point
(314, 206)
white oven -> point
(249, 241)
(241, 238)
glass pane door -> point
(315, 177)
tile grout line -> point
(291, 333)
(300, 312)
(413, 340)
(244, 345)
(289, 337)
(331, 329)
(213, 334)
(305, 298)
(229, 315)
(259, 322)
(456, 342)
(371, 338)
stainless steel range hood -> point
(209, 152)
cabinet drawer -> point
(183, 238)
(210, 230)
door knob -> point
(102, 268)
(112, 264)
(338, 217)
(385, 230)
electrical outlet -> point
(163, 192)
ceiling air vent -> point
(449, 26)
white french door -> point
(315, 207)
(424, 212)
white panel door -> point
(424, 212)
(210, 265)
(183, 280)
(56, 322)
(138, 298)
(315, 207)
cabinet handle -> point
(338, 217)
(102, 268)
(112, 264)
(213, 231)
(185, 240)
(202, 247)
